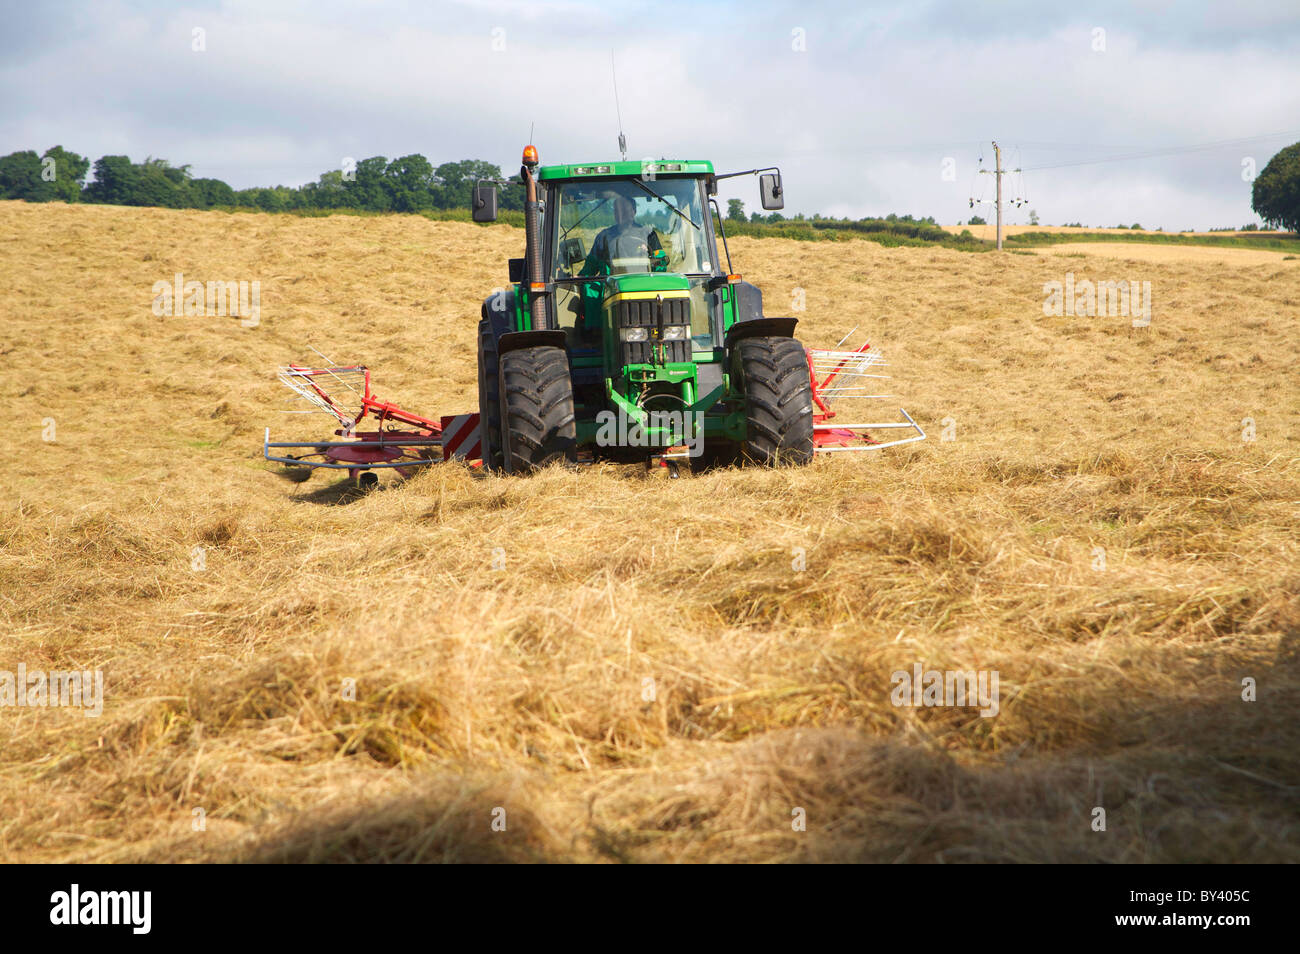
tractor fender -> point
(499, 310)
(515, 340)
(760, 328)
(749, 301)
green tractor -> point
(621, 336)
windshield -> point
(616, 227)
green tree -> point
(456, 179)
(116, 181)
(69, 171)
(208, 193)
(268, 200)
(366, 188)
(735, 210)
(512, 196)
(327, 192)
(162, 184)
(1275, 196)
(20, 178)
(154, 182)
(410, 183)
(291, 197)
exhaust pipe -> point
(533, 241)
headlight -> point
(633, 334)
(677, 333)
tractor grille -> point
(644, 313)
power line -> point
(1138, 153)
(1166, 151)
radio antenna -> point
(622, 140)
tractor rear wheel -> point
(773, 374)
(489, 398)
(537, 419)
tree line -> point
(412, 184)
(736, 214)
(408, 184)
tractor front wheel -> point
(773, 374)
(537, 419)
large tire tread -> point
(538, 423)
(773, 373)
(489, 398)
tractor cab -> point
(629, 226)
(601, 232)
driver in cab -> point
(626, 246)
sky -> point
(1150, 111)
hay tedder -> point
(399, 439)
(621, 337)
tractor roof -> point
(636, 167)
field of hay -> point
(649, 677)
(1208, 255)
(989, 231)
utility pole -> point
(997, 175)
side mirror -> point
(484, 203)
(571, 252)
(769, 185)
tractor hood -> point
(646, 285)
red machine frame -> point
(855, 365)
(408, 444)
